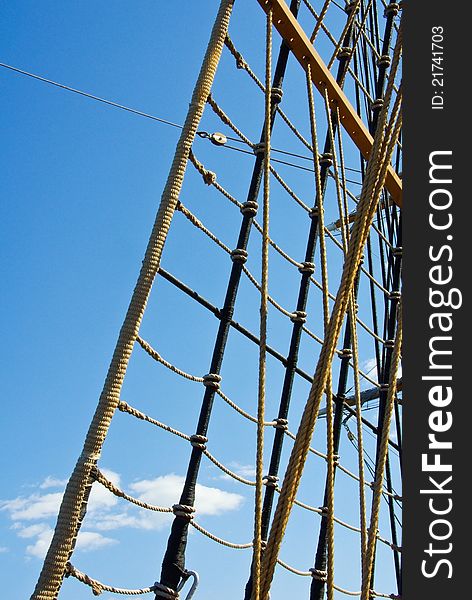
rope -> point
(157, 357)
(241, 63)
(193, 219)
(313, 573)
(375, 177)
(74, 500)
(219, 540)
(96, 473)
(124, 407)
(382, 459)
(357, 394)
(98, 587)
(100, 477)
(256, 568)
(227, 121)
(328, 389)
(210, 178)
(240, 410)
(320, 19)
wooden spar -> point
(303, 50)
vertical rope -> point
(360, 442)
(73, 505)
(263, 320)
(324, 281)
(374, 180)
(382, 459)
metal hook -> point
(192, 590)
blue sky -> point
(80, 187)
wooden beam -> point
(304, 52)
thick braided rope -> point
(382, 459)
(98, 587)
(73, 504)
(256, 573)
(325, 290)
(375, 176)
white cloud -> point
(369, 366)
(31, 530)
(86, 541)
(52, 482)
(91, 540)
(4, 549)
(35, 506)
(41, 545)
(165, 491)
(243, 470)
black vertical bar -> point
(173, 565)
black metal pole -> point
(173, 566)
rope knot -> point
(212, 380)
(389, 343)
(183, 511)
(276, 95)
(299, 316)
(209, 177)
(259, 148)
(319, 574)
(239, 255)
(377, 104)
(394, 295)
(393, 7)
(281, 424)
(307, 267)
(198, 441)
(398, 251)
(162, 591)
(270, 480)
(326, 159)
(314, 212)
(123, 406)
(384, 61)
(345, 353)
(344, 52)
(97, 588)
(384, 387)
(250, 208)
(354, 5)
